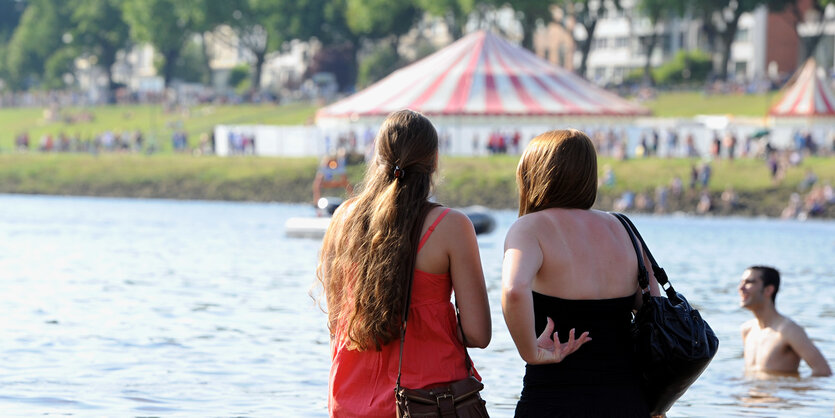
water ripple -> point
(204, 310)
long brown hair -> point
(367, 259)
(557, 170)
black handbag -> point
(458, 399)
(673, 344)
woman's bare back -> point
(587, 254)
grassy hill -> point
(488, 181)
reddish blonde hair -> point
(368, 258)
(557, 170)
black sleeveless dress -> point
(600, 379)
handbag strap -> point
(403, 327)
(643, 274)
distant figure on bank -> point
(569, 275)
(331, 174)
(773, 343)
(377, 241)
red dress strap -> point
(432, 228)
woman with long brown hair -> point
(569, 269)
(377, 241)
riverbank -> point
(487, 181)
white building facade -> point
(620, 43)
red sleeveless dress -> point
(362, 382)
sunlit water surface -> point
(118, 307)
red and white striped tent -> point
(807, 97)
(482, 78)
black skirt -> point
(583, 401)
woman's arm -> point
(468, 281)
(522, 260)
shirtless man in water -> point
(772, 342)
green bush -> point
(685, 67)
(636, 76)
(57, 65)
(237, 75)
(380, 63)
(191, 65)
(243, 86)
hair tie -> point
(398, 172)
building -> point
(762, 46)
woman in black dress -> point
(570, 275)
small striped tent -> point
(478, 77)
(807, 95)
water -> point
(118, 307)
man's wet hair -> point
(769, 276)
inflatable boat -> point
(315, 227)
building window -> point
(740, 68)
(622, 42)
(667, 43)
(599, 73)
(741, 35)
(600, 43)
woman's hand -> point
(551, 350)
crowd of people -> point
(241, 143)
(107, 141)
(127, 141)
(813, 197)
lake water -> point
(119, 307)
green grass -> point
(462, 181)
(155, 123)
(689, 104)
(165, 176)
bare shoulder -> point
(454, 216)
(747, 326)
(791, 330)
(454, 222)
(526, 225)
(607, 218)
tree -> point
(40, 33)
(818, 17)
(587, 13)
(656, 11)
(531, 14)
(264, 26)
(340, 60)
(10, 12)
(721, 21)
(100, 31)
(454, 13)
(378, 19)
(165, 24)
(339, 50)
